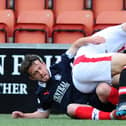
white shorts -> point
(89, 71)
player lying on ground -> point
(36, 69)
(56, 86)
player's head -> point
(35, 68)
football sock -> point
(114, 96)
(88, 112)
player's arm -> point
(84, 41)
(36, 114)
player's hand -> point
(17, 114)
(97, 39)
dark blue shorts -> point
(95, 102)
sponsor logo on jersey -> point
(61, 90)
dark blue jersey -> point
(59, 90)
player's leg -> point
(118, 64)
(107, 93)
(88, 112)
(98, 104)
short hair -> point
(27, 62)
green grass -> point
(57, 120)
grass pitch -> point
(57, 120)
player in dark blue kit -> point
(56, 88)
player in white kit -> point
(95, 64)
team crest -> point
(58, 76)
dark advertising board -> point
(16, 90)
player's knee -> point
(103, 90)
(71, 108)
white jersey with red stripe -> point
(92, 64)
